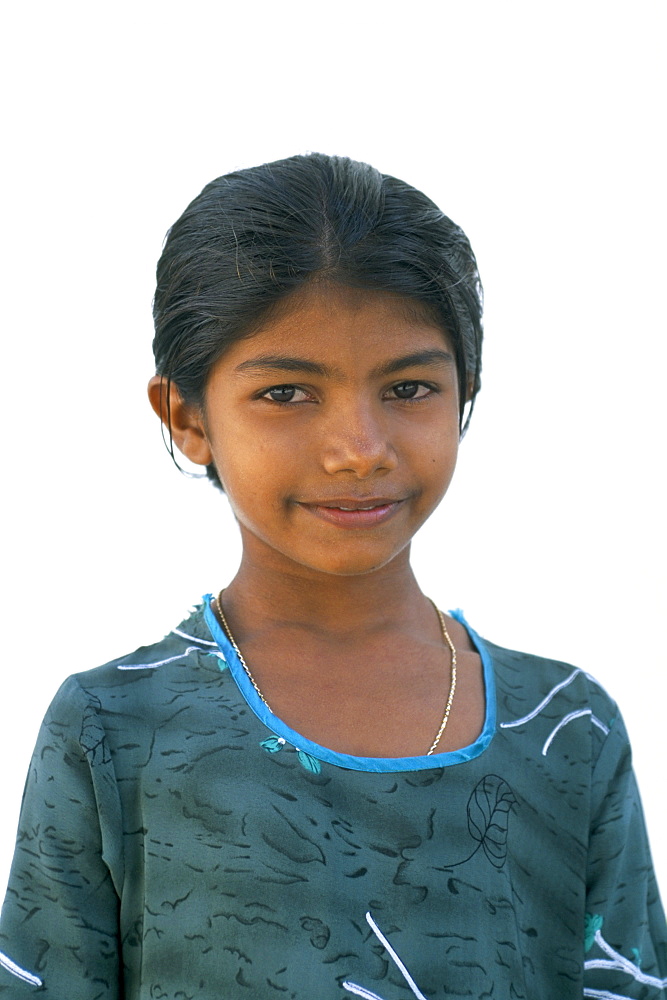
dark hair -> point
(254, 236)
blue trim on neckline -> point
(277, 727)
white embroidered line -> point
(543, 704)
(360, 991)
(184, 635)
(158, 663)
(16, 970)
(604, 995)
(621, 964)
(408, 978)
(570, 718)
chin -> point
(359, 565)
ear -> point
(183, 422)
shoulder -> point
(144, 681)
(526, 683)
(522, 677)
(559, 706)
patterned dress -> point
(178, 842)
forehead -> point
(333, 297)
(330, 318)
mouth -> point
(354, 513)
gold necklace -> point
(445, 634)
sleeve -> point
(60, 918)
(626, 936)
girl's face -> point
(334, 429)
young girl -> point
(318, 786)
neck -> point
(263, 596)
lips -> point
(354, 512)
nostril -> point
(358, 453)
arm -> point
(626, 935)
(59, 925)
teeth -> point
(357, 508)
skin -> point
(344, 398)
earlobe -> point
(182, 421)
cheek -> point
(440, 460)
(252, 472)
(438, 446)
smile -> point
(372, 507)
(353, 513)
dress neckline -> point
(277, 728)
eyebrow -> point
(433, 358)
(279, 362)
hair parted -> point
(254, 236)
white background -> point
(536, 126)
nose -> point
(356, 439)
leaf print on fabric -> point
(488, 816)
(592, 924)
(222, 662)
(273, 744)
(310, 763)
(488, 809)
(92, 737)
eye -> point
(411, 390)
(285, 394)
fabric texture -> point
(177, 844)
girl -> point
(318, 786)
